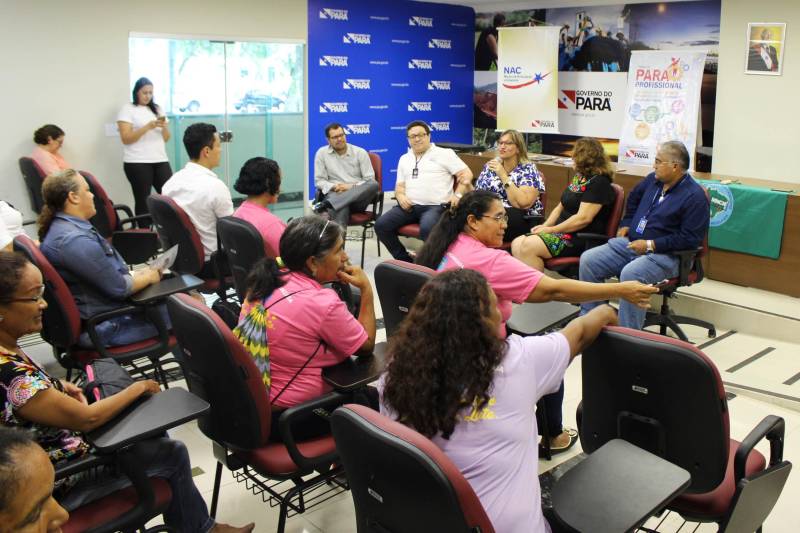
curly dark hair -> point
(45, 133)
(590, 158)
(444, 355)
(257, 176)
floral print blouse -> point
(523, 175)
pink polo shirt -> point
(306, 315)
(49, 163)
(268, 225)
(511, 279)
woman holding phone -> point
(144, 132)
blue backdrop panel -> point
(376, 66)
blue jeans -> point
(165, 458)
(126, 329)
(387, 225)
(615, 259)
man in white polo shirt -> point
(343, 173)
(199, 191)
(424, 188)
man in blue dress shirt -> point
(667, 211)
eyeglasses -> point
(505, 143)
(658, 161)
(335, 137)
(33, 299)
(417, 136)
(500, 218)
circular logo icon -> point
(678, 106)
(642, 131)
(721, 203)
(635, 110)
(652, 114)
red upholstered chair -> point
(175, 227)
(219, 370)
(397, 284)
(62, 324)
(135, 245)
(400, 480)
(666, 396)
(33, 175)
(243, 246)
(568, 266)
(412, 230)
(366, 219)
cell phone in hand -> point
(662, 284)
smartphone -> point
(662, 284)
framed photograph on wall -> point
(765, 48)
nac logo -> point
(333, 61)
(357, 38)
(356, 84)
(439, 85)
(441, 44)
(333, 14)
(420, 106)
(440, 126)
(421, 64)
(356, 129)
(333, 107)
(423, 22)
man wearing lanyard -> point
(667, 211)
(424, 188)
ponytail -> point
(55, 191)
(451, 224)
(263, 279)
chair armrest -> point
(686, 259)
(92, 322)
(125, 209)
(305, 410)
(81, 464)
(773, 428)
(146, 219)
(164, 288)
(595, 239)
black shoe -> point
(321, 207)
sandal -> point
(573, 438)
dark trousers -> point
(553, 404)
(387, 225)
(143, 177)
(518, 224)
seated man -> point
(344, 175)
(667, 211)
(423, 190)
(198, 191)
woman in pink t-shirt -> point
(49, 139)
(293, 326)
(260, 180)
(453, 379)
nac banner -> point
(527, 79)
(662, 104)
(376, 66)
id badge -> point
(415, 173)
(642, 225)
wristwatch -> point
(650, 247)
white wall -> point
(757, 129)
(67, 63)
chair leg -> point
(680, 319)
(363, 244)
(544, 430)
(215, 494)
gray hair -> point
(677, 153)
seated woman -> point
(585, 206)
(469, 237)
(453, 379)
(10, 225)
(91, 267)
(517, 181)
(57, 413)
(49, 139)
(293, 326)
(260, 180)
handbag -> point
(105, 377)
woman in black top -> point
(486, 47)
(585, 206)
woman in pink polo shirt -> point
(49, 139)
(293, 326)
(260, 180)
(469, 237)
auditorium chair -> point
(33, 175)
(568, 266)
(690, 271)
(175, 227)
(62, 324)
(666, 396)
(219, 370)
(412, 230)
(243, 246)
(400, 480)
(135, 244)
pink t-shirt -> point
(511, 279)
(49, 163)
(307, 314)
(495, 448)
(268, 225)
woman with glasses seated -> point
(585, 206)
(469, 237)
(58, 415)
(293, 326)
(517, 181)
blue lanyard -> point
(654, 204)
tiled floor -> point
(239, 506)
